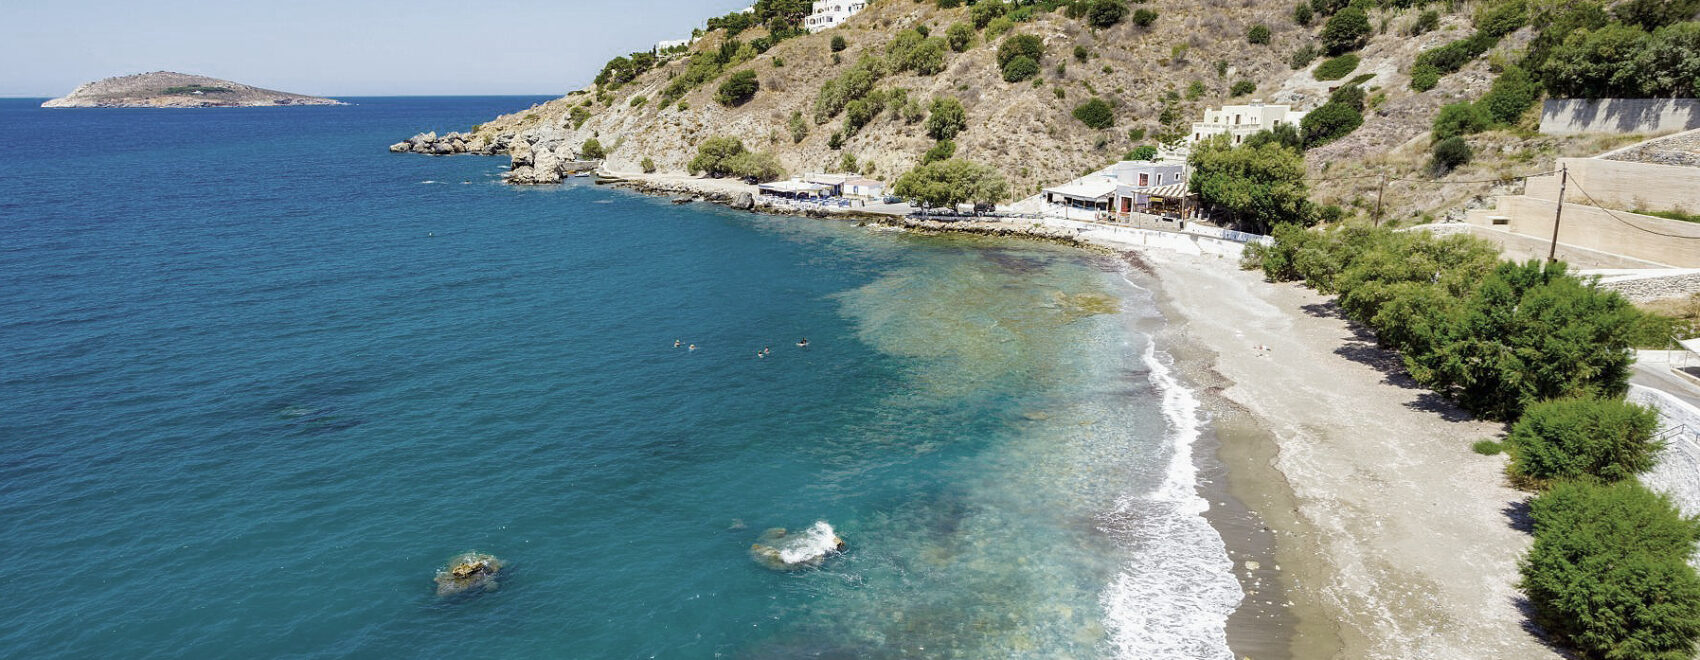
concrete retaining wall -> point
(1678, 470)
(1592, 228)
(1571, 116)
(1623, 185)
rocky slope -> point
(166, 89)
(1159, 78)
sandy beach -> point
(1393, 539)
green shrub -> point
(1020, 45)
(1346, 31)
(1258, 34)
(1512, 94)
(1426, 22)
(1080, 54)
(1302, 13)
(1336, 68)
(998, 27)
(798, 126)
(1424, 77)
(1258, 186)
(738, 89)
(1194, 90)
(1609, 573)
(959, 36)
(1450, 153)
(1019, 69)
(951, 182)
(838, 43)
(648, 165)
(1142, 152)
(1105, 13)
(947, 118)
(1487, 447)
(941, 150)
(638, 101)
(592, 150)
(713, 155)
(1501, 19)
(1144, 17)
(1459, 119)
(1593, 439)
(1304, 56)
(1242, 88)
(1095, 113)
(1332, 121)
(985, 11)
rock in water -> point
(468, 571)
(743, 202)
(783, 551)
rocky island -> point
(166, 89)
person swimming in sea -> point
(766, 350)
(804, 343)
(693, 347)
(675, 343)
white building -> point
(1240, 121)
(864, 188)
(829, 14)
(662, 47)
(1130, 186)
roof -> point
(1171, 190)
(1691, 344)
(792, 186)
(828, 179)
(866, 183)
(1086, 189)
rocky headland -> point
(167, 89)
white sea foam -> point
(817, 541)
(1174, 597)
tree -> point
(951, 182)
(1095, 114)
(1286, 135)
(738, 89)
(1105, 13)
(798, 126)
(713, 155)
(1332, 121)
(948, 118)
(1020, 45)
(943, 150)
(1513, 92)
(755, 166)
(592, 150)
(1346, 31)
(1260, 186)
(959, 36)
(1019, 69)
(1597, 64)
(1602, 440)
(1451, 153)
(1609, 572)
(984, 11)
(1258, 34)
(1143, 152)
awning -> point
(1691, 344)
(1090, 189)
(1171, 191)
(792, 187)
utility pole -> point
(1563, 178)
(1378, 191)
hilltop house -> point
(1130, 186)
(1241, 121)
(829, 14)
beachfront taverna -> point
(829, 14)
(1127, 187)
(1241, 121)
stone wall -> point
(1623, 185)
(1595, 229)
(1571, 116)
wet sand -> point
(1391, 539)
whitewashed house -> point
(662, 47)
(829, 14)
(1241, 121)
(1130, 186)
(864, 188)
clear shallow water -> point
(264, 378)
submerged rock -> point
(744, 201)
(468, 571)
(780, 550)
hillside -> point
(1157, 76)
(166, 89)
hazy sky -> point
(336, 47)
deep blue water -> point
(262, 379)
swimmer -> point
(760, 354)
(675, 343)
(693, 347)
(766, 350)
(804, 343)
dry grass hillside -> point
(1185, 61)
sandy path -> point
(1398, 533)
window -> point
(1144, 179)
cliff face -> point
(1158, 78)
(165, 89)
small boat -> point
(582, 175)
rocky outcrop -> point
(780, 550)
(467, 572)
(167, 89)
(744, 202)
(431, 144)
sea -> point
(260, 380)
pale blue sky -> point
(336, 47)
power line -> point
(1607, 211)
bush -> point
(1426, 22)
(1302, 13)
(1332, 121)
(1020, 45)
(638, 101)
(592, 150)
(754, 166)
(1346, 31)
(1019, 69)
(998, 27)
(713, 155)
(648, 165)
(738, 89)
(1144, 17)
(1501, 19)
(1242, 88)
(1609, 572)
(1424, 77)
(1451, 153)
(1512, 94)
(1258, 34)
(959, 36)
(1080, 54)
(1459, 119)
(1105, 13)
(1142, 152)
(1336, 68)
(839, 44)
(947, 119)
(1487, 447)
(1304, 56)
(950, 182)
(942, 150)
(1602, 440)
(1095, 114)
(985, 11)
(798, 127)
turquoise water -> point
(264, 379)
